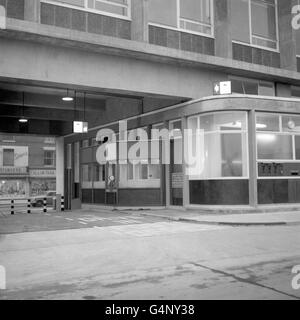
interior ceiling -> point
(49, 114)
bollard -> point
(28, 206)
(62, 203)
(45, 205)
(12, 207)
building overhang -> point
(51, 35)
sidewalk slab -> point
(237, 219)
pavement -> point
(160, 260)
(102, 253)
(231, 219)
(37, 220)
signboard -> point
(80, 127)
(42, 173)
(223, 87)
(49, 140)
(13, 170)
(177, 180)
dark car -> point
(38, 201)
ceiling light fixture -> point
(23, 119)
(67, 98)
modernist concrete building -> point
(155, 63)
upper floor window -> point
(49, 158)
(255, 22)
(252, 86)
(8, 157)
(188, 15)
(119, 8)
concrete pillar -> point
(223, 34)
(287, 36)
(139, 25)
(60, 170)
(186, 184)
(252, 159)
(27, 188)
(167, 171)
(2, 17)
(32, 10)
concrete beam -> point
(39, 113)
(68, 67)
(48, 39)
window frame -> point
(86, 9)
(52, 158)
(242, 132)
(280, 132)
(251, 44)
(178, 28)
(254, 81)
(8, 165)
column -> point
(32, 10)
(167, 168)
(223, 34)
(60, 171)
(252, 159)
(2, 17)
(287, 36)
(186, 185)
(139, 25)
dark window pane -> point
(297, 146)
(274, 146)
(8, 157)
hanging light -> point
(23, 119)
(67, 98)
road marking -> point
(161, 228)
(69, 219)
(82, 222)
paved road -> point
(113, 256)
(39, 221)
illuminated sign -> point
(223, 87)
(80, 127)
